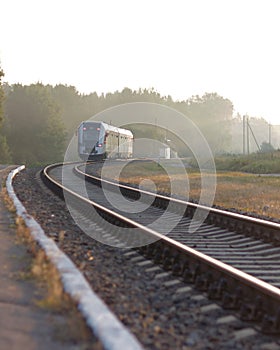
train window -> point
(90, 133)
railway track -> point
(234, 259)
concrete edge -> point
(104, 324)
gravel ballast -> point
(161, 313)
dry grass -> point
(40, 268)
(51, 297)
(7, 200)
(246, 192)
(250, 193)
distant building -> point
(164, 152)
(148, 148)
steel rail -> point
(256, 299)
(213, 211)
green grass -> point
(257, 163)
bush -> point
(256, 163)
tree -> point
(212, 114)
(5, 156)
(70, 103)
(266, 147)
(1, 95)
(35, 131)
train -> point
(99, 140)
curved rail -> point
(255, 299)
(104, 324)
(258, 228)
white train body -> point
(101, 140)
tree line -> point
(5, 156)
(37, 121)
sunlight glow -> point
(181, 48)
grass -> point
(245, 192)
(257, 163)
(40, 268)
(249, 193)
(72, 328)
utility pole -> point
(269, 134)
(255, 139)
(248, 137)
(244, 137)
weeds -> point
(257, 163)
(245, 192)
(8, 201)
(52, 297)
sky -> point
(179, 47)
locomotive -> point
(98, 140)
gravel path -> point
(162, 312)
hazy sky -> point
(179, 47)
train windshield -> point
(91, 132)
